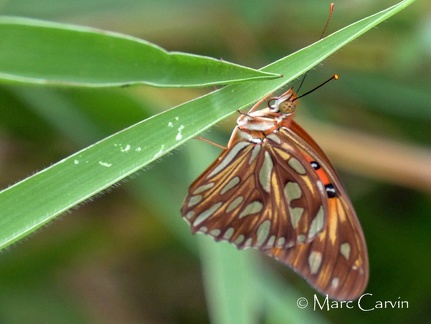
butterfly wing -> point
(336, 261)
(258, 195)
(274, 196)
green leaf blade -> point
(37, 52)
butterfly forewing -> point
(257, 195)
(274, 189)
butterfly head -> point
(284, 104)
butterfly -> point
(274, 189)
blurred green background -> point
(127, 256)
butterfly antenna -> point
(302, 81)
(331, 11)
(334, 77)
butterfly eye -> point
(287, 107)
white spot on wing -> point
(239, 239)
(247, 243)
(271, 241)
(228, 158)
(228, 234)
(190, 214)
(231, 184)
(234, 204)
(300, 239)
(215, 232)
(335, 282)
(292, 191)
(252, 208)
(345, 250)
(263, 232)
(265, 173)
(207, 213)
(280, 241)
(254, 153)
(320, 186)
(296, 165)
(314, 261)
(274, 138)
(194, 200)
(316, 224)
(203, 188)
(295, 216)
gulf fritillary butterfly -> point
(274, 189)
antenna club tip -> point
(336, 76)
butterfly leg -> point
(210, 142)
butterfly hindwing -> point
(336, 261)
(333, 263)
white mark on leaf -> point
(105, 164)
(126, 148)
(160, 152)
(179, 135)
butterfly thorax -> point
(256, 125)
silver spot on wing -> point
(314, 262)
(231, 184)
(274, 138)
(194, 200)
(207, 213)
(234, 204)
(203, 188)
(317, 223)
(228, 158)
(263, 232)
(265, 173)
(297, 166)
(292, 191)
(254, 152)
(295, 216)
(345, 250)
(335, 282)
(228, 234)
(253, 208)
